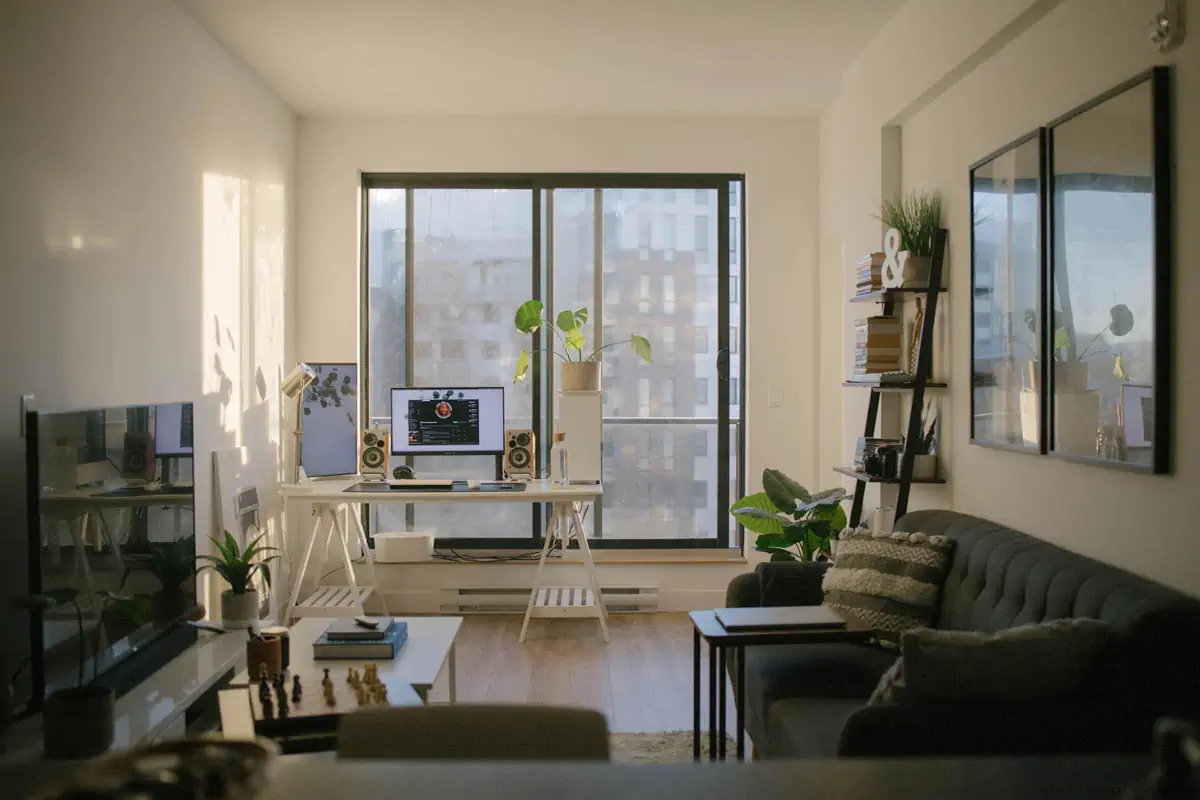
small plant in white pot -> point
(78, 721)
(579, 373)
(239, 603)
(918, 218)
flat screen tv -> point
(110, 513)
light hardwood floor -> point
(641, 680)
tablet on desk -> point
(737, 620)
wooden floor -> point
(641, 680)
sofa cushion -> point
(807, 727)
(891, 582)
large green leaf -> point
(783, 491)
(566, 321)
(529, 316)
(575, 340)
(773, 541)
(522, 366)
(760, 502)
(835, 516)
(581, 317)
(783, 555)
(641, 346)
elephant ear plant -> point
(792, 524)
(568, 327)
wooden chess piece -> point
(329, 698)
(296, 689)
(268, 710)
(263, 675)
(326, 683)
(362, 696)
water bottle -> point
(558, 460)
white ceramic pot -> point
(580, 376)
(916, 271)
(924, 467)
(239, 610)
(1070, 376)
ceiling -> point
(534, 57)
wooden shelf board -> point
(865, 478)
(884, 295)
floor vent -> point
(510, 600)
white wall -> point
(1003, 68)
(144, 223)
(778, 158)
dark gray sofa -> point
(809, 701)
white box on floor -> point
(401, 548)
(579, 417)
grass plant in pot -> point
(77, 722)
(171, 564)
(917, 217)
(579, 373)
(792, 523)
(239, 603)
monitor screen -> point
(448, 421)
(173, 429)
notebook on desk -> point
(792, 617)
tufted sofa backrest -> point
(999, 578)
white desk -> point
(328, 497)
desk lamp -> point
(293, 387)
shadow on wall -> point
(243, 284)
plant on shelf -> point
(78, 721)
(578, 371)
(792, 524)
(171, 564)
(239, 603)
(918, 217)
(1070, 369)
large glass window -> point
(447, 266)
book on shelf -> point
(366, 649)
(890, 377)
(868, 274)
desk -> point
(330, 497)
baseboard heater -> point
(514, 600)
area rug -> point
(661, 748)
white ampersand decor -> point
(893, 260)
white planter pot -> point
(580, 376)
(916, 271)
(924, 468)
(239, 610)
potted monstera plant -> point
(238, 566)
(792, 523)
(579, 373)
(78, 721)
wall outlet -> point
(774, 398)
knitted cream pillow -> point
(890, 582)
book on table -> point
(347, 629)
(365, 649)
(747, 619)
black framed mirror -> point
(1007, 266)
(1108, 281)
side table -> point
(705, 625)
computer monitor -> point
(448, 421)
(173, 429)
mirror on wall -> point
(1006, 296)
(1108, 334)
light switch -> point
(774, 398)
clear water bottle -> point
(558, 460)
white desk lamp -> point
(293, 386)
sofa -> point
(810, 700)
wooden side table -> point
(705, 625)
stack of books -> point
(868, 448)
(346, 639)
(877, 346)
(869, 277)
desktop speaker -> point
(373, 455)
(137, 456)
(520, 454)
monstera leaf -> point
(758, 514)
(641, 346)
(522, 366)
(529, 316)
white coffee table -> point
(425, 656)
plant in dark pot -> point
(239, 603)
(77, 722)
(171, 564)
(792, 524)
(580, 373)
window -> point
(491, 350)
(701, 391)
(701, 340)
(735, 289)
(706, 292)
(700, 494)
(700, 444)
(492, 312)
(668, 346)
(670, 233)
(668, 305)
(612, 294)
(734, 341)
(645, 231)
(644, 294)
(669, 452)
(668, 396)
(734, 397)
(422, 350)
(454, 350)
(610, 335)
(668, 514)
(701, 237)
(643, 397)
(643, 453)
(703, 197)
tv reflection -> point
(117, 526)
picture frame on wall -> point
(329, 421)
(1007, 296)
(1108, 278)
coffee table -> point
(707, 626)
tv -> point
(448, 421)
(104, 518)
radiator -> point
(514, 600)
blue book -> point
(369, 650)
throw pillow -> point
(890, 582)
(1048, 659)
(890, 688)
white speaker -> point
(579, 418)
(373, 454)
(520, 454)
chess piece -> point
(263, 675)
(329, 699)
(362, 696)
(296, 689)
(268, 709)
(326, 683)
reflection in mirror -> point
(1104, 276)
(1006, 289)
(116, 510)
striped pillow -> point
(890, 582)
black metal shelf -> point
(892, 387)
(863, 477)
(891, 295)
